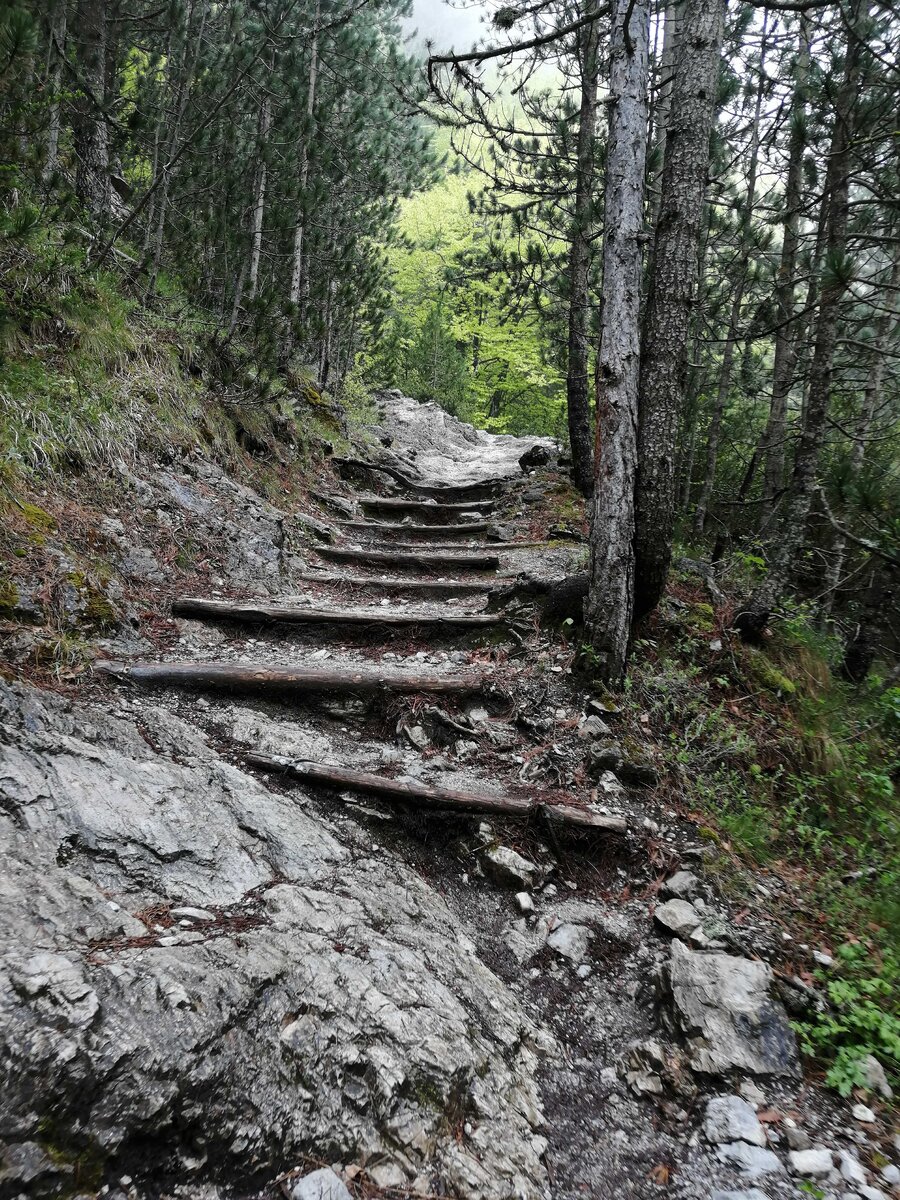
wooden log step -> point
(378, 529)
(452, 547)
(434, 514)
(423, 794)
(374, 583)
(411, 558)
(238, 676)
(260, 613)
(483, 489)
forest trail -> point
(485, 1006)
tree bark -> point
(775, 435)
(90, 128)
(55, 55)
(303, 175)
(257, 614)
(246, 676)
(786, 545)
(259, 200)
(578, 401)
(608, 611)
(673, 283)
(413, 792)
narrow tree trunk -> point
(54, 85)
(608, 610)
(739, 283)
(788, 541)
(297, 267)
(91, 132)
(578, 401)
(673, 285)
(663, 106)
(259, 201)
(775, 436)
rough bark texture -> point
(90, 128)
(255, 613)
(673, 285)
(786, 543)
(610, 597)
(775, 435)
(577, 390)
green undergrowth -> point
(787, 769)
(93, 370)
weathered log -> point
(413, 560)
(415, 792)
(256, 613)
(482, 489)
(377, 529)
(255, 677)
(370, 583)
(452, 547)
(432, 513)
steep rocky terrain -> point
(217, 978)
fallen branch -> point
(190, 606)
(411, 559)
(247, 677)
(414, 792)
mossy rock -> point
(701, 618)
(97, 611)
(40, 522)
(9, 597)
(767, 674)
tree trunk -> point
(259, 202)
(787, 543)
(739, 283)
(578, 400)
(297, 267)
(54, 86)
(775, 436)
(663, 106)
(608, 611)
(673, 283)
(91, 132)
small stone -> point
(678, 916)
(571, 941)
(320, 1185)
(752, 1160)
(193, 914)
(851, 1168)
(862, 1112)
(751, 1092)
(797, 1138)
(747, 1194)
(731, 1119)
(824, 960)
(872, 1193)
(891, 1174)
(814, 1163)
(508, 867)
(416, 736)
(593, 727)
(875, 1078)
(682, 885)
(524, 902)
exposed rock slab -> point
(332, 1003)
(721, 1005)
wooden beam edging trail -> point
(416, 792)
(251, 677)
(394, 504)
(400, 558)
(226, 610)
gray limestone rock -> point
(508, 867)
(320, 1185)
(721, 1005)
(335, 1001)
(815, 1163)
(681, 886)
(678, 917)
(753, 1161)
(571, 941)
(731, 1119)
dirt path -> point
(585, 1090)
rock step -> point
(432, 513)
(483, 489)
(370, 583)
(378, 529)
(238, 676)
(410, 558)
(416, 792)
(255, 613)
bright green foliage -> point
(451, 332)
